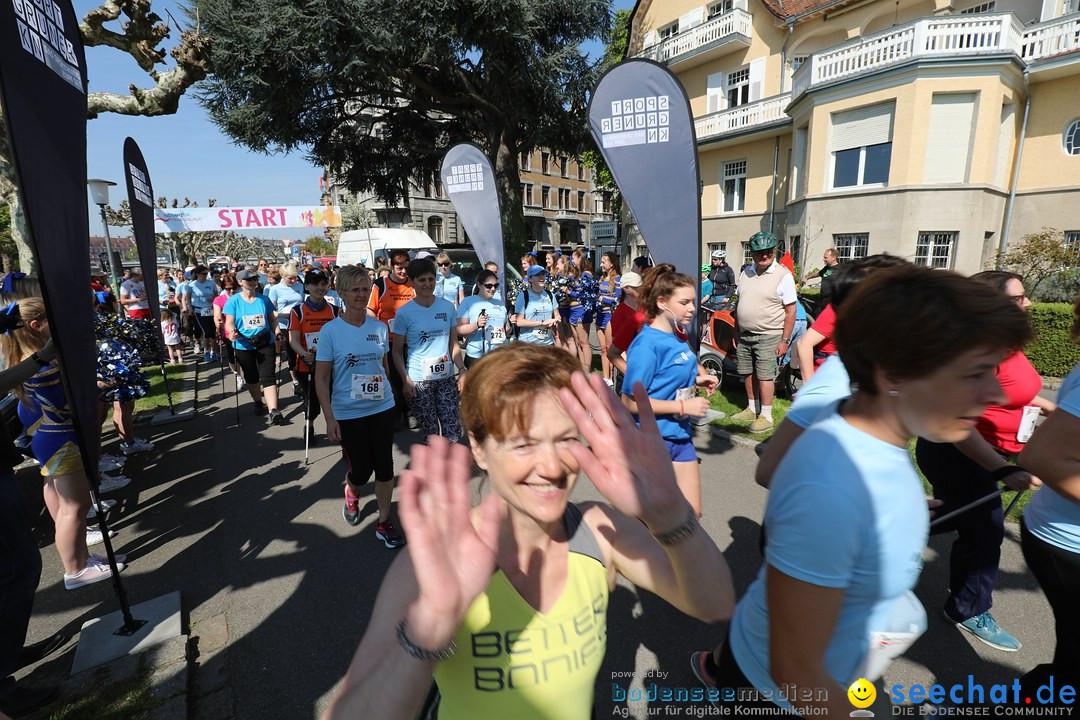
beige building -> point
(557, 199)
(932, 129)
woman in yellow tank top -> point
(505, 604)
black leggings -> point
(1058, 573)
(204, 327)
(257, 365)
(368, 446)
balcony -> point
(755, 115)
(566, 214)
(533, 211)
(712, 39)
(963, 36)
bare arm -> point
(805, 350)
(1053, 454)
(617, 358)
(230, 326)
(1045, 405)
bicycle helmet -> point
(719, 254)
(762, 241)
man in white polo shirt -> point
(765, 316)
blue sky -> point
(186, 153)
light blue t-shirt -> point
(333, 298)
(829, 384)
(540, 307)
(664, 364)
(360, 384)
(1049, 516)
(181, 289)
(163, 292)
(845, 510)
(202, 294)
(285, 298)
(496, 325)
(252, 321)
(447, 288)
(427, 333)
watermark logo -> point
(862, 694)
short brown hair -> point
(501, 389)
(350, 276)
(911, 320)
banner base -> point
(99, 643)
(166, 418)
(710, 415)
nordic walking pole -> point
(221, 365)
(972, 504)
(1013, 503)
(307, 414)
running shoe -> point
(351, 509)
(109, 505)
(120, 558)
(207, 357)
(106, 465)
(118, 459)
(276, 418)
(386, 532)
(296, 388)
(240, 384)
(746, 415)
(137, 445)
(95, 571)
(110, 483)
(94, 535)
(986, 629)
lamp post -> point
(99, 192)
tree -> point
(1038, 257)
(8, 252)
(320, 246)
(191, 248)
(377, 90)
(141, 35)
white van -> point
(361, 247)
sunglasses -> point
(444, 264)
(490, 286)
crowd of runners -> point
(499, 609)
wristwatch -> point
(786, 340)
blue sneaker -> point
(207, 357)
(985, 628)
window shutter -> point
(948, 141)
(692, 19)
(650, 39)
(741, 5)
(757, 78)
(863, 126)
(1005, 143)
(714, 92)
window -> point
(1072, 244)
(719, 8)
(668, 31)
(747, 256)
(562, 167)
(525, 158)
(544, 160)
(935, 249)
(580, 170)
(526, 193)
(795, 246)
(851, 246)
(581, 205)
(797, 61)
(985, 7)
(734, 188)
(738, 87)
(713, 247)
(1072, 138)
(545, 196)
(861, 145)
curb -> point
(733, 438)
(1052, 383)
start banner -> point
(167, 220)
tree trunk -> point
(508, 183)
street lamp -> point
(99, 192)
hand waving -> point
(630, 466)
(453, 560)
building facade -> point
(424, 206)
(557, 199)
(937, 130)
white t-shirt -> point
(132, 289)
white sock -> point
(751, 407)
(766, 411)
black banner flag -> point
(141, 200)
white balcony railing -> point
(1056, 37)
(743, 117)
(736, 22)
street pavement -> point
(232, 518)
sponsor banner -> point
(141, 200)
(168, 220)
(43, 92)
(640, 117)
(470, 184)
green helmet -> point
(762, 241)
(706, 268)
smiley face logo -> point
(862, 693)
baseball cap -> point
(630, 279)
(314, 277)
(247, 275)
(535, 270)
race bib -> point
(684, 394)
(541, 332)
(435, 368)
(368, 387)
(498, 335)
(311, 341)
(205, 311)
(254, 322)
(1027, 423)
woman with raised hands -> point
(527, 568)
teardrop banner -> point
(470, 184)
(141, 201)
(640, 117)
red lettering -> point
(281, 212)
(268, 217)
(224, 215)
(239, 222)
(252, 219)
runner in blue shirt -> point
(286, 295)
(428, 326)
(482, 319)
(251, 324)
(661, 360)
(353, 385)
(448, 286)
(534, 310)
(199, 296)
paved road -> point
(232, 518)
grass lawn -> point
(1006, 499)
(156, 397)
(126, 700)
(731, 399)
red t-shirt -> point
(626, 323)
(1021, 383)
(826, 325)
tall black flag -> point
(43, 87)
(141, 200)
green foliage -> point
(1038, 257)
(9, 252)
(1053, 353)
(320, 246)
